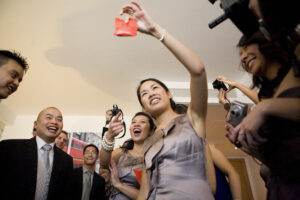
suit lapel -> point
(55, 170)
(80, 181)
(30, 164)
(94, 185)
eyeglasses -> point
(90, 152)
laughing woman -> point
(174, 158)
(125, 160)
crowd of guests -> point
(167, 156)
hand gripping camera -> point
(218, 85)
(115, 111)
(237, 111)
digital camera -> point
(237, 112)
(218, 85)
(115, 110)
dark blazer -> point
(18, 170)
(98, 187)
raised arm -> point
(250, 93)
(198, 87)
(115, 128)
(108, 116)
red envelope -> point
(125, 29)
(138, 174)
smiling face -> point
(154, 98)
(140, 128)
(11, 74)
(90, 156)
(252, 60)
(49, 124)
(61, 140)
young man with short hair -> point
(62, 139)
(86, 183)
(12, 68)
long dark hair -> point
(128, 144)
(271, 52)
(172, 102)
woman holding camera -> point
(127, 160)
(249, 92)
(175, 158)
(271, 131)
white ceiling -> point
(79, 66)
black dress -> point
(223, 189)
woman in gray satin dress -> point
(174, 159)
(127, 159)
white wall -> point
(7, 116)
(23, 124)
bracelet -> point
(106, 141)
(162, 35)
(108, 146)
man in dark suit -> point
(35, 168)
(86, 183)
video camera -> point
(280, 17)
(238, 12)
(279, 23)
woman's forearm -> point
(130, 192)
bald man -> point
(35, 168)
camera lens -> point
(236, 111)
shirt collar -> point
(86, 170)
(40, 142)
